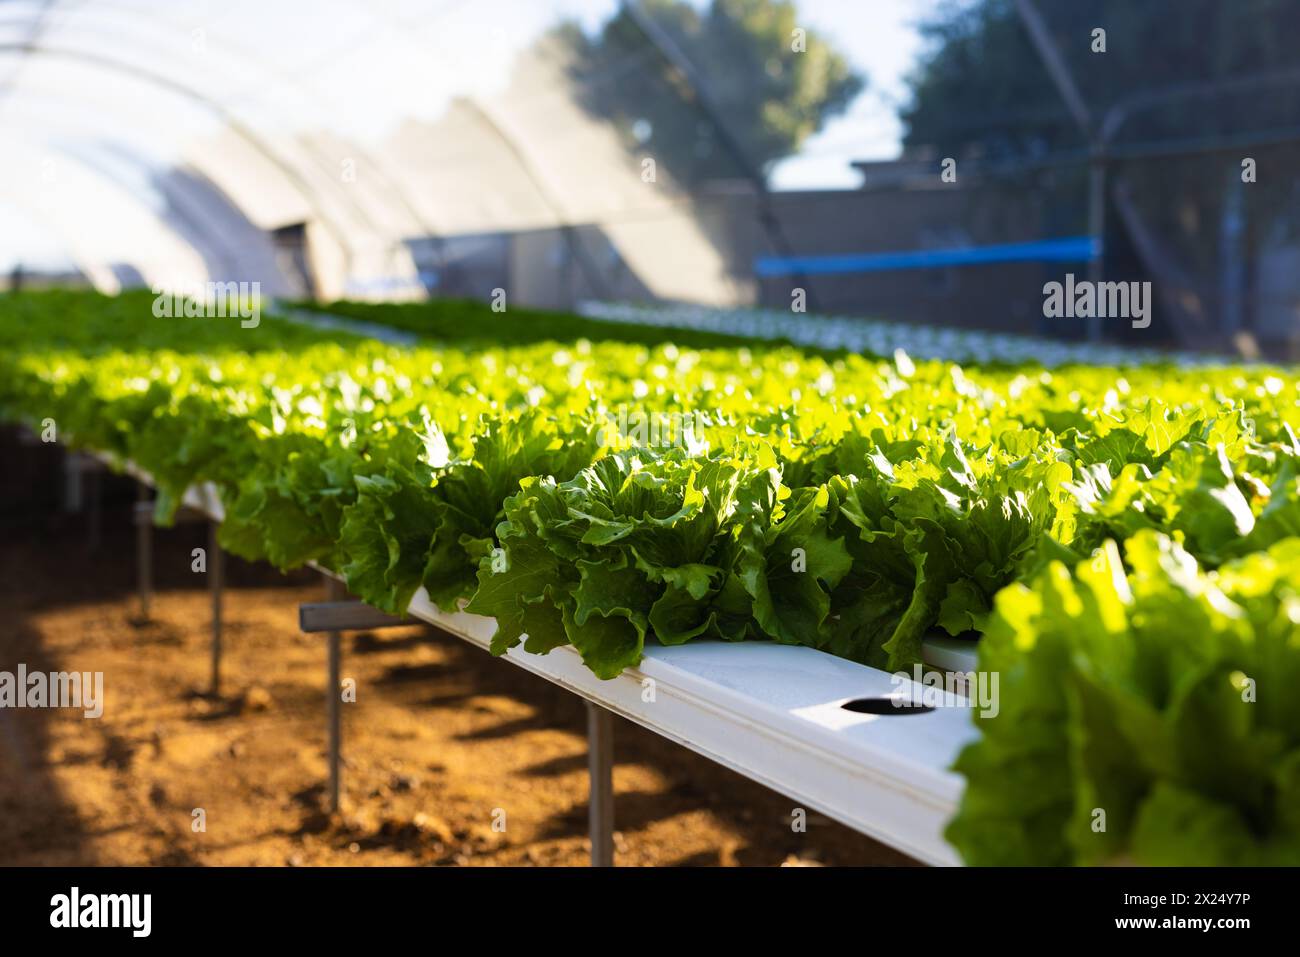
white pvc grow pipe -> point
(773, 713)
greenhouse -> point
(660, 432)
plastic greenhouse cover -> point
(401, 120)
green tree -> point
(1185, 91)
(982, 88)
(768, 84)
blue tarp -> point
(1071, 249)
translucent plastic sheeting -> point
(617, 150)
(381, 130)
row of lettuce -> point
(1127, 540)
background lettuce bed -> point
(1126, 539)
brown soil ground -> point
(441, 734)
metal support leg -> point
(334, 590)
(83, 492)
(600, 756)
(94, 495)
(333, 617)
(144, 553)
(72, 482)
(216, 582)
(335, 728)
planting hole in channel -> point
(886, 705)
